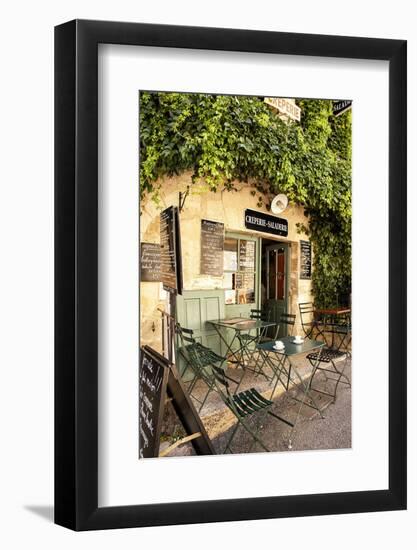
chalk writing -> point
(305, 260)
(212, 246)
(152, 389)
(150, 262)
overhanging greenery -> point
(222, 139)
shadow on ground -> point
(311, 433)
(45, 512)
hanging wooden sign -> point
(171, 264)
(284, 107)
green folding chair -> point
(246, 339)
(246, 407)
(332, 363)
(289, 320)
(199, 359)
(342, 334)
(310, 325)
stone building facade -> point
(228, 208)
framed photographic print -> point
(230, 275)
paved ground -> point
(311, 432)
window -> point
(239, 271)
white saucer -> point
(278, 349)
(299, 342)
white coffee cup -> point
(279, 344)
(298, 339)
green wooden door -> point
(277, 283)
(194, 309)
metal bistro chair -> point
(329, 358)
(245, 406)
(289, 320)
(285, 319)
(258, 315)
(342, 330)
(285, 367)
(337, 328)
(245, 339)
(200, 360)
(308, 321)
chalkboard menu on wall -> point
(246, 255)
(150, 262)
(152, 391)
(212, 246)
(171, 265)
(305, 260)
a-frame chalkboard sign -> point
(158, 381)
(153, 378)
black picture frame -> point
(76, 271)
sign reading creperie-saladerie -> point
(259, 221)
(285, 107)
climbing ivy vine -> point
(224, 139)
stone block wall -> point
(222, 206)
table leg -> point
(278, 372)
(306, 394)
(229, 351)
(276, 367)
(227, 345)
(256, 340)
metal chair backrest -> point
(259, 314)
(185, 334)
(188, 344)
(222, 387)
(306, 312)
(289, 320)
(220, 377)
(263, 315)
(194, 351)
(306, 307)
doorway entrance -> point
(274, 281)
